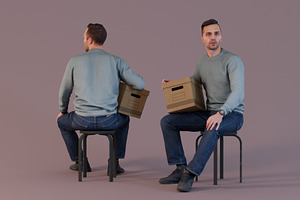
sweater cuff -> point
(225, 110)
(64, 112)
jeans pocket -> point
(108, 121)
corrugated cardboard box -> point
(131, 101)
(183, 95)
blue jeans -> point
(70, 122)
(172, 124)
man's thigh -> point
(66, 121)
(190, 121)
(231, 122)
(71, 122)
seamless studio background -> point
(158, 39)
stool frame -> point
(82, 152)
(215, 161)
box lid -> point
(174, 83)
(128, 87)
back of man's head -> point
(207, 23)
(97, 32)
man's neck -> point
(96, 47)
(213, 53)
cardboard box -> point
(183, 95)
(131, 101)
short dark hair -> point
(97, 32)
(209, 22)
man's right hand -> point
(59, 115)
(164, 81)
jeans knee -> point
(127, 119)
(213, 132)
(124, 120)
(165, 121)
(59, 124)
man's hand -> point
(164, 81)
(59, 115)
(213, 120)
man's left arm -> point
(235, 98)
(129, 76)
(236, 80)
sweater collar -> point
(217, 56)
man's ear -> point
(90, 40)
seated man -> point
(95, 77)
(222, 75)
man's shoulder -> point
(229, 58)
(230, 55)
(232, 61)
(77, 57)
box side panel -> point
(184, 95)
(131, 101)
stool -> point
(215, 173)
(82, 159)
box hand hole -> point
(177, 88)
(135, 95)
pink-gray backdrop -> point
(159, 39)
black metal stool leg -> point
(196, 147)
(241, 161)
(111, 158)
(240, 156)
(216, 165)
(84, 155)
(80, 158)
(114, 154)
(221, 157)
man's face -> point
(86, 41)
(211, 37)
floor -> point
(140, 181)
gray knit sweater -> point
(222, 77)
(95, 77)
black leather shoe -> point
(75, 167)
(186, 181)
(174, 177)
(119, 169)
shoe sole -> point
(168, 183)
(183, 190)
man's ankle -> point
(180, 166)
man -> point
(222, 75)
(95, 77)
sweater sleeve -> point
(66, 88)
(128, 76)
(196, 75)
(236, 78)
